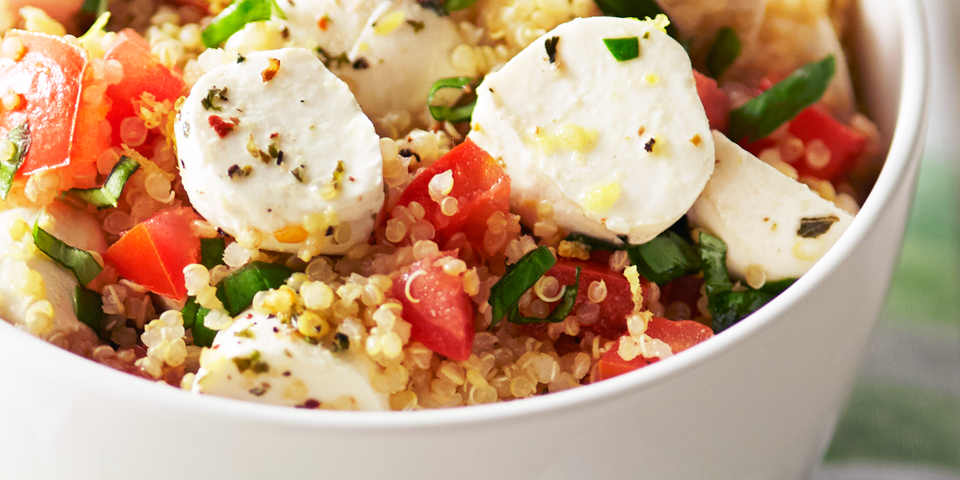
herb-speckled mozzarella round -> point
(332, 25)
(766, 218)
(271, 151)
(75, 228)
(618, 148)
(402, 51)
(261, 359)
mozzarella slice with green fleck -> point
(332, 25)
(20, 259)
(261, 359)
(619, 148)
(767, 219)
(401, 52)
(269, 143)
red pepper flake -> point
(323, 23)
(271, 71)
(221, 126)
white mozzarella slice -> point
(617, 148)
(261, 359)
(332, 25)
(73, 227)
(758, 212)
(401, 52)
(330, 153)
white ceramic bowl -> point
(759, 401)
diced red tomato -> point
(680, 335)
(142, 73)
(439, 311)
(65, 131)
(614, 307)
(685, 290)
(612, 364)
(845, 145)
(479, 184)
(715, 101)
(155, 252)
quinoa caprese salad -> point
(408, 204)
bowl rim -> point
(904, 149)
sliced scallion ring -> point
(454, 113)
(623, 49)
(109, 194)
(15, 150)
(233, 18)
(78, 261)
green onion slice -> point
(102, 18)
(19, 140)
(726, 306)
(78, 261)
(88, 307)
(233, 18)
(558, 314)
(766, 112)
(236, 291)
(506, 293)
(211, 251)
(109, 194)
(725, 50)
(623, 49)
(665, 258)
(454, 113)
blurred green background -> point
(902, 420)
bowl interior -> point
(892, 66)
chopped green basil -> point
(623, 49)
(233, 18)
(665, 258)
(193, 315)
(766, 112)
(558, 314)
(726, 306)
(236, 291)
(713, 255)
(189, 312)
(252, 363)
(19, 139)
(88, 307)
(506, 293)
(813, 227)
(450, 6)
(78, 261)
(550, 45)
(725, 50)
(109, 194)
(594, 243)
(211, 251)
(456, 112)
